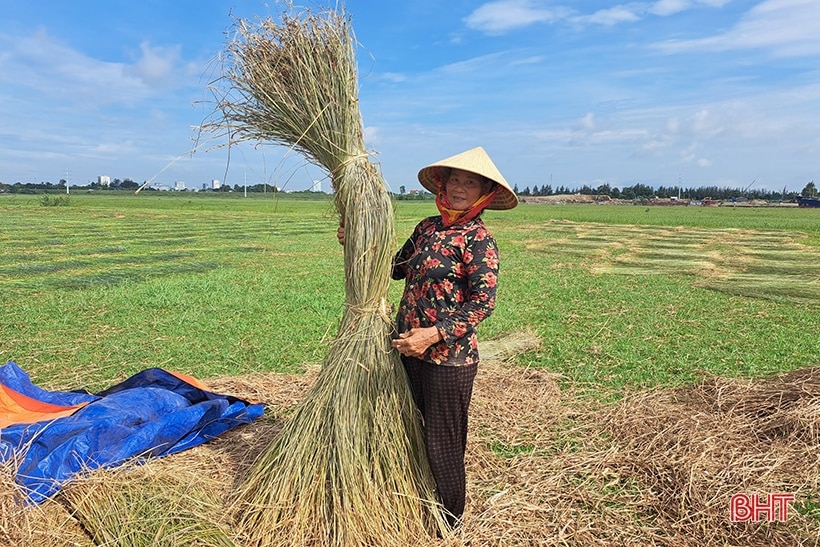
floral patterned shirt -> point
(450, 282)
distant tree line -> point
(637, 191)
(125, 184)
(39, 187)
(640, 191)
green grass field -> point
(621, 296)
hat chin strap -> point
(452, 216)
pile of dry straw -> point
(545, 467)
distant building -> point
(104, 180)
(215, 184)
(179, 185)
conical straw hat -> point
(477, 161)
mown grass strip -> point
(228, 286)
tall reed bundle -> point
(349, 468)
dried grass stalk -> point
(142, 506)
(14, 522)
(349, 468)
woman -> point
(450, 268)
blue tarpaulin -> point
(53, 435)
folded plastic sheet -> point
(53, 435)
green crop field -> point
(97, 287)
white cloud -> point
(664, 8)
(157, 65)
(68, 108)
(786, 28)
(474, 65)
(500, 16)
(673, 125)
(617, 136)
(533, 60)
(654, 145)
(704, 124)
(588, 132)
(372, 136)
(44, 66)
(104, 149)
(612, 16)
(392, 77)
(669, 7)
(691, 156)
(588, 121)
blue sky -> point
(560, 92)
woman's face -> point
(463, 188)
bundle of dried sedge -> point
(349, 467)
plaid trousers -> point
(442, 394)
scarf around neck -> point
(452, 216)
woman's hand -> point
(415, 342)
(340, 232)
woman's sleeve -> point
(400, 260)
(481, 263)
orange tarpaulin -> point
(16, 408)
